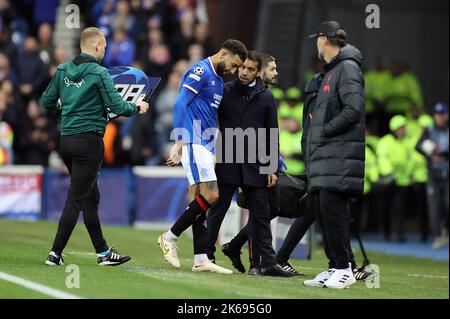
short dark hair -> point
(235, 47)
(339, 38)
(256, 57)
(266, 59)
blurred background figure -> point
(6, 136)
(32, 72)
(434, 145)
(120, 51)
(395, 169)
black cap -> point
(326, 28)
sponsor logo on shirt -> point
(69, 83)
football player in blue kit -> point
(195, 131)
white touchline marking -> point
(38, 287)
(427, 276)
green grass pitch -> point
(24, 247)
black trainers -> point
(235, 257)
(111, 258)
(289, 268)
(54, 260)
(273, 271)
(361, 274)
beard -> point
(221, 68)
(321, 58)
(272, 81)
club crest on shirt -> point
(204, 173)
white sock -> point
(170, 236)
(200, 259)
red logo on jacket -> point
(326, 88)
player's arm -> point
(192, 84)
(114, 101)
(180, 107)
(51, 94)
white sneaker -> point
(169, 250)
(439, 242)
(340, 279)
(320, 279)
(211, 267)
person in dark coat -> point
(335, 150)
(249, 106)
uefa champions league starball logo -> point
(199, 70)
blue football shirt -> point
(201, 115)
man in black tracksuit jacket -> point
(335, 149)
(247, 106)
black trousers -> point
(297, 230)
(273, 197)
(438, 203)
(333, 215)
(419, 200)
(259, 233)
(83, 156)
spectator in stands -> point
(184, 36)
(180, 67)
(105, 18)
(7, 47)
(144, 11)
(60, 56)
(181, 7)
(154, 37)
(195, 53)
(38, 138)
(46, 47)
(158, 62)
(123, 19)
(6, 136)
(119, 51)
(164, 114)
(7, 14)
(45, 11)
(201, 35)
(32, 72)
(6, 73)
(12, 107)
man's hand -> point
(175, 154)
(272, 180)
(143, 106)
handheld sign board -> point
(132, 85)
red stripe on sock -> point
(251, 249)
(202, 204)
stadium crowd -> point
(163, 38)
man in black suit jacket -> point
(248, 133)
